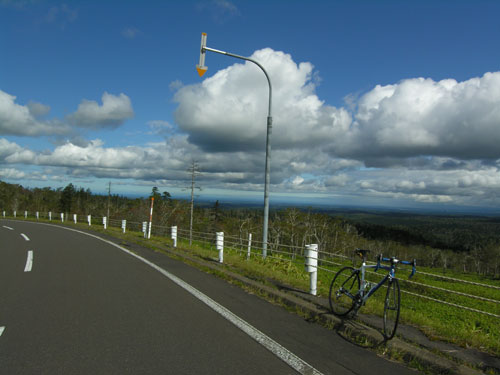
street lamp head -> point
(201, 68)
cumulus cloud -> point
(113, 112)
(38, 109)
(412, 118)
(16, 119)
(228, 110)
(424, 117)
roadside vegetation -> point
(466, 248)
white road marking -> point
(25, 237)
(1, 330)
(278, 350)
(9, 228)
(29, 261)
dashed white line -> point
(25, 236)
(1, 330)
(9, 228)
(29, 261)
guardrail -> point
(328, 262)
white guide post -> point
(151, 217)
(311, 265)
(249, 245)
(219, 243)
(173, 235)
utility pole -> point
(194, 169)
(109, 197)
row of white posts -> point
(311, 251)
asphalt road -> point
(83, 306)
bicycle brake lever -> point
(378, 262)
(413, 269)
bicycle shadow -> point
(360, 334)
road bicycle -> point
(349, 290)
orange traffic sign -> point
(201, 70)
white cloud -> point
(16, 119)
(11, 173)
(113, 112)
(228, 110)
(160, 127)
(423, 117)
(38, 109)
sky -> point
(374, 103)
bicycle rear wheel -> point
(391, 309)
(344, 286)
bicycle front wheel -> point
(344, 286)
(391, 309)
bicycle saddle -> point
(362, 252)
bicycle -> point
(349, 290)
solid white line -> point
(25, 237)
(29, 261)
(1, 330)
(9, 228)
(278, 350)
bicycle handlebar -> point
(394, 261)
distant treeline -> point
(465, 244)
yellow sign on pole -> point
(201, 68)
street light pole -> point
(201, 70)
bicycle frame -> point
(374, 288)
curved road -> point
(73, 304)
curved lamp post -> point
(201, 68)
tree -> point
(66, 200)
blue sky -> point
(386, 103)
